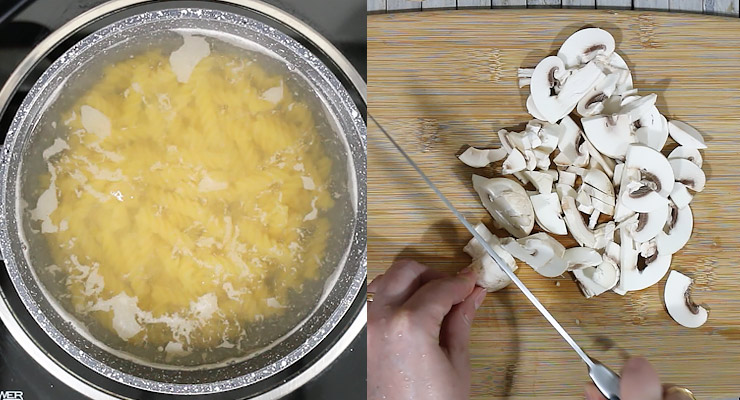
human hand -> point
(417, 333)
(639, 381)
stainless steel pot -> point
(340, 294)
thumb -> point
(640, 381)
(455, 330)
(434, 300)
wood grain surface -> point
(718, 7)
(442, 80)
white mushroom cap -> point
(609, 134)
(580, 257)
(688, 173)
(584, 45)
(680, 196)
(677, 230)
(656, 179)
(507, 202)
(679, 304)
(687, 153)
(649, 224)
(479, 158)
(685, 135)
(548, 213)
(515, 162)
(490, 275)
(594, 281)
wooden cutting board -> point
(441, 80)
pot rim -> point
(240, 381)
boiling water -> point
(114, 317)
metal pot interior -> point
(28, 137)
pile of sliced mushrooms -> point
(597, 174)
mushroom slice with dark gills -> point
(647, 179)
(678, 301)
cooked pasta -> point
(187, 199)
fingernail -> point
(480, 297)
(464, 271)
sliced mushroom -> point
(515, 162)
(601, 183)
(677, 232)
(581, 257)
(628, 255)
(594, 281)
(688, 173)
(685, 135)
(555, 93)
(567, 178)
(549, 135)
(584, 202)
(604, 234)
(568, 142)
(490, 275)
(648, 225)
(503, 138)
(606, 164)
(609, 134)
(617, 178)
(680, 196)
(531, 158)
(584, 45)
(507, 202)
(678, 301)
(574, 222)
(479, 158)
(687, 153)
(540, 251)
(655, 179)
(532, 108)
(635, 107)
(543, 159)
(622, 212)
(542, 181)
(593, 102)
(651, 129)
(548, 213)
(649, 269)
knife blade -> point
(606, 380)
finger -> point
(372, 287)
(401, 280)
(455, 332)
(593, 393)
(430, 304)
(640, 381)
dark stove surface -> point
(24, 23)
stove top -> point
(23, 24)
